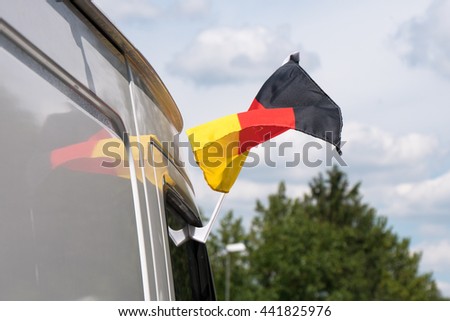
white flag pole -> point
(200, 234)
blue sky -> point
(385, 63)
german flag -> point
(289, 99)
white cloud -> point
(419, 198)
(233, 55)
(436, 259)
(430, 196)
(243, 191)
(426, 38)
(370, 145)
(250, 191)
(128, 10)
(396, 170)
(193, 8)
(444, 287)
(433, 230)
(435, 256)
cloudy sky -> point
(385, 63)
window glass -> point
(67, 225)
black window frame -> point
(199, 276)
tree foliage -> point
(230, 231)
(327, 245)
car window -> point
(67, 225)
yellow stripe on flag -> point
(216, 150)
(212, 131)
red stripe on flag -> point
(260, 125)
(256, 105)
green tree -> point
(230, 231)
(332, 246)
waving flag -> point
(289, 99)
